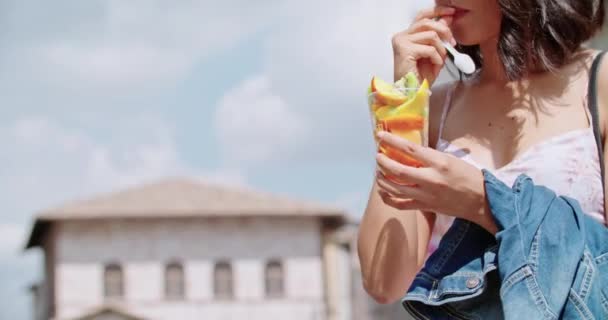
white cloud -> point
(321, 62)
(114, 66)
(254, 125)
(225, 177)
(47, 162)
(12, 239)
(122, 45)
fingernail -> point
(381, 134)
(454, 42)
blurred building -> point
(179, 249)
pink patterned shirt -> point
(567, 163)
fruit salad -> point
(402, 109)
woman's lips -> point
(459, 13)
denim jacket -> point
(548, 260)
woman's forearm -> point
(392, 246)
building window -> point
(274, 279)
(222, 281)
(113, 281)
(174, 281)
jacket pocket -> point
(601, 263)
(522, 297)
(514, 279)
(588, 296)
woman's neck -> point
(493, 71)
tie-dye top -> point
(573, 169)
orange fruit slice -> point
(400, 157)
(402, 123)
(385, 93)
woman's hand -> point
(419, 48)
(445, 184)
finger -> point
(436, 11)
(390, 167)
(447, 20)
(401, 204)
(420, 51)
(440, 27)
(399, 190)
(430, 38)
(425, 155)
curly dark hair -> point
(542, 35)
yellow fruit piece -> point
(386, 92)
(375, 107)
(424, 85)
(413, 107)
(414, 136)
(418, 104)
(384, 112)
(380, 85)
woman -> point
(524, 111)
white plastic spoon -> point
(462, 61)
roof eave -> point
(38, 230)
(42, 223)
(148, 214)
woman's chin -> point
(466, 41)
(472, 38)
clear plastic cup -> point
(408, 120)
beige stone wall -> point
(142, 248)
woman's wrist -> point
(484, 217)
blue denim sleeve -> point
(541, 242)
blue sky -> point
(100, 95)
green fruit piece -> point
(417, 105)
(412, 84)
(400, 83)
